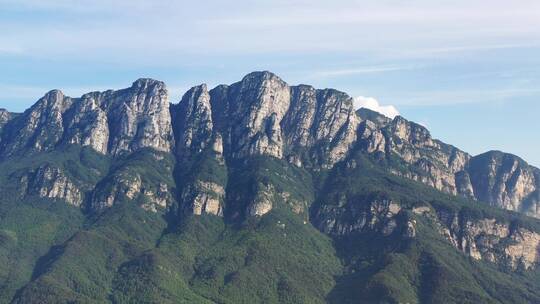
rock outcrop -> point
(51, 182)
(139, 117)
(121, 186)
(203, 197)
(156, 200)
(367, 214)
(505, 181)
(263, 200)
(321, 122)
(491, 240)
(5, 116)
(193, 124)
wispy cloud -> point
(10, 49)
(454, 97)
(169, 29)
(363, 70)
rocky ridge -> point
(491, 240)
(500, 179)
(261, 115)
(111, 122)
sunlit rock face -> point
(263, 115)
(139, 117)
(499, 179)
(111, 122)
(193, 123)
(51, 182)
(491, 240)
(211, 135)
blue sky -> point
(468, 70)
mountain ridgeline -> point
(255, 192)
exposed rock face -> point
(156, 200)
(297, 206)
(263, 115)
(320, 121)
(88, 124)
(262, 203)
(249, 114)
(50, 182)
(204, 197)
(5, 116)
(506, 181)
(110, 122)
(40, 128)
(434, 163)
(502, 180)
(193, 121)
(487, 239)
(122, 186)
(138, 117)
(491, 240)
(346, 217)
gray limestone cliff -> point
(492, 240)
(111, 122)
(51, 182)
(263, 115)
(499, 179)
(239, 151)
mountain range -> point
(255, 192)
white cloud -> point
(97, 29)
(470, 96)
(364, 70)
(373, 104)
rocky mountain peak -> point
(40, 127)
(373, 116)
(5, 116)
(507, 181)
(261, 76)
(144, 83)
(193, 121)
(263, 115)
(54, 95)
(410, 131)
(110, 122)
(139, 117)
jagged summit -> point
(261, 76)
(262, 115)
